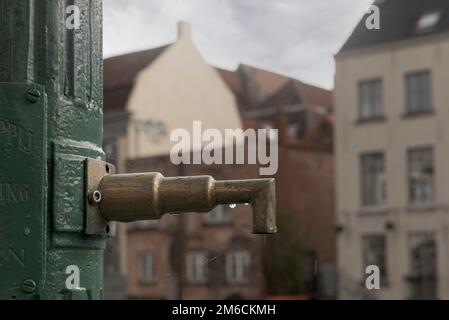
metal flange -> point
(95, 223)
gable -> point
(172, 92)
(120, 73)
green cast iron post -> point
(50, 122)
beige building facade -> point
(179, 87)
(392, 173)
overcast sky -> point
(293, 37)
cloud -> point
(293, 37)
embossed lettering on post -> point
(16, 135)
(11, 256)
(14, 193)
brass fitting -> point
(148, 196)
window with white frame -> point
(238, 265)
(421, 175)
(196, 267)
(371, 99)
(374, 253)
(423, 277)
(219, 215)
(147, 273)
(419, 92)
(374, 189)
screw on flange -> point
(95, 197)
(33, 95)
(29, 286)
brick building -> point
(214, 255)
(196, 256)
(303, 115)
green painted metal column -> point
(50, 122)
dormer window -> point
(428, 21)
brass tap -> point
(148, 196)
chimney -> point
(184, 30)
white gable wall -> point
(176, 89)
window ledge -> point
(147, 283)
(374, 210)
(430, 206)
(417, 114)
(370, 120)
(197, 283)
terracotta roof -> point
(234, 82)
(268, 82)
(232, 79)
(399, 21)
(295, 92)
(314, 95)
(120, 73)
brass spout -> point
(148, 196)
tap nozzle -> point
(148, 196)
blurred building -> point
(392, 150)
(198, 256)
(303, 114)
